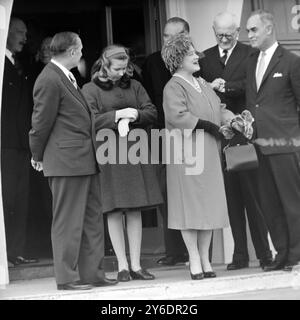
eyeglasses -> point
(227, 36)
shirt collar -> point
(9, 55)
(63, 69)
(270, 51)
(228, 51)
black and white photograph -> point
(150, 153)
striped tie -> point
(73, 80)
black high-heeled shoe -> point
(196, 276)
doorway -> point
(98, 23)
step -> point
(170, 283)
(44, 268)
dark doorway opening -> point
(98, 22)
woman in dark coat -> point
(125, 188)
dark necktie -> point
(73, 80)
(224, 57)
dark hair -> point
(14, 19)
(184, 23)
(98, 71)
(63, 41)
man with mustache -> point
(15, 159)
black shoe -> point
(209, 274)
(77, 285)
(235, 265)
(105, 282)
(124, 276)
(172, 260)
(275, 265)
(265, 262)
(197, 276)
(21, 260)
(289, 266)
(141, 274)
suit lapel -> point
(274, 61)
(75, 92)
(233, 61)
(252, 77)
(215, 57)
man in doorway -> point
(273, 97)
(224, 66)
(62, 142)
(15, 155)
(155, 76)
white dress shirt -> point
(63, 69)
(269, 54)
(9, 55)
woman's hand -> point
(123, 127)
(129, 113)
(227, 132)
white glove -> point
(123, 127)
(130, 113)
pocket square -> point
(277, 75)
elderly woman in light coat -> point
(196, 199)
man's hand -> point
(218, 85)
(37, 165)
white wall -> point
(5, 10)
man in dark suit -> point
(224, 66)
(273, 97)
(62, 142)
(15, 158)
(155, 76)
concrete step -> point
(44, 268)
(170, 283)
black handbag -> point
(240, 157)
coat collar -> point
(234, 60)
(75, 92)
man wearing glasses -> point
(224, 67)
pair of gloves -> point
(240, 124)
(209, 127)
(124, 117)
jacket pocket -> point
(70, 143)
